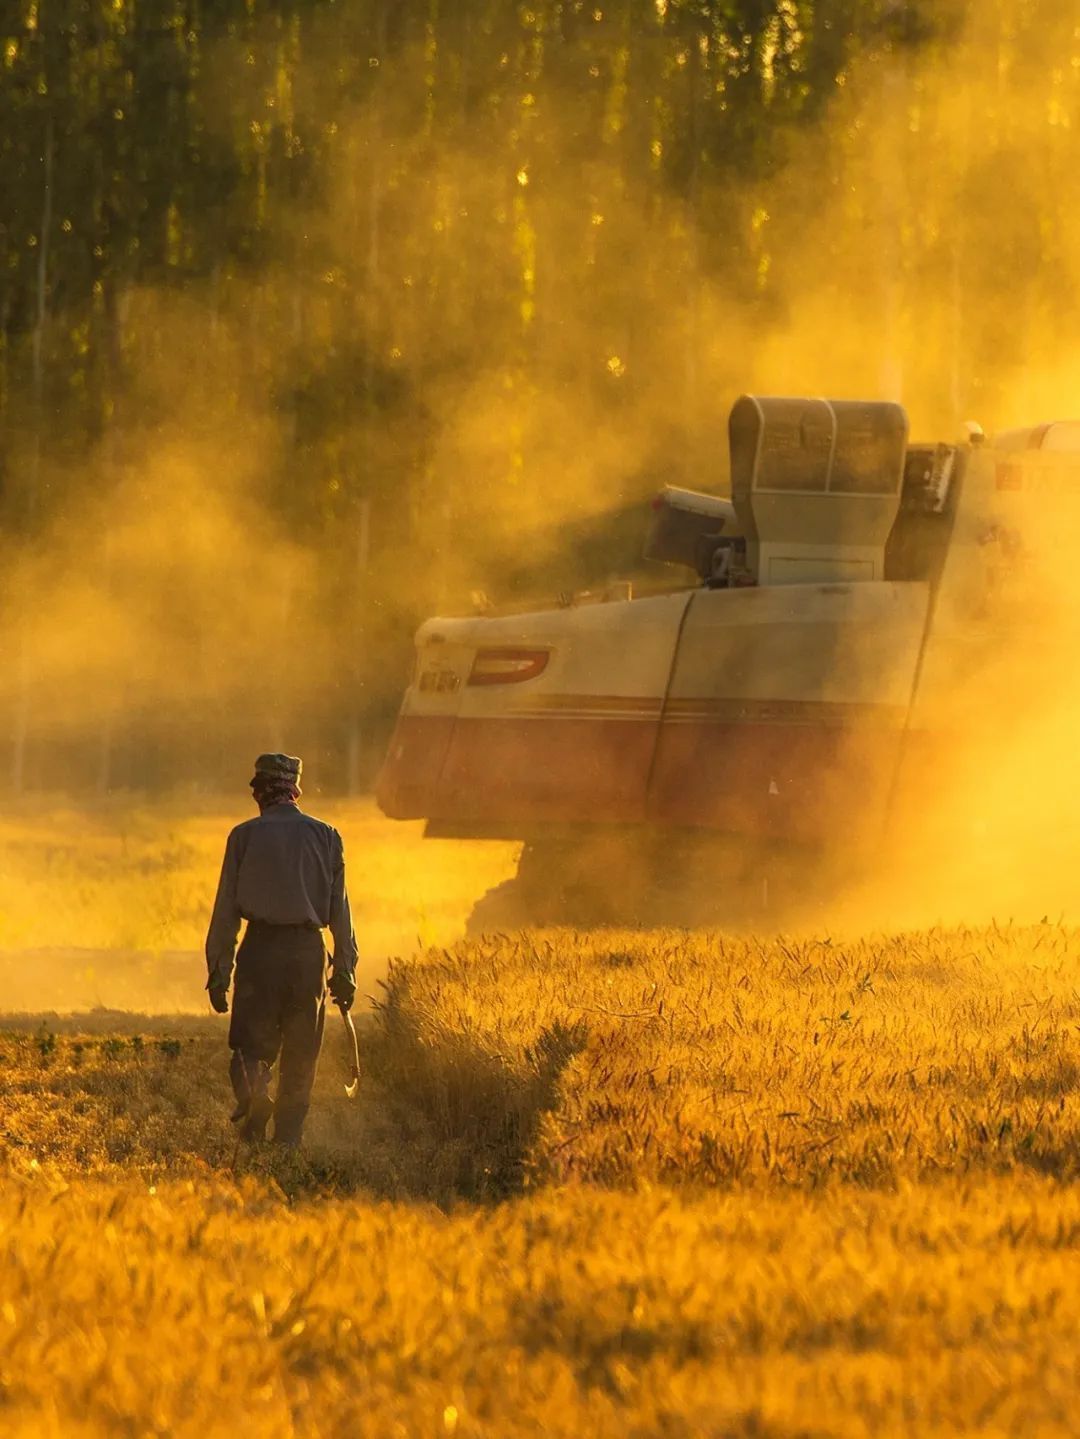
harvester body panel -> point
(764, 711)
(786, 707)
(532, 718)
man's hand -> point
(219, 997)
(342, 989)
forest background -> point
(318, 315)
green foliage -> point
(195, 149)
(46, 1043)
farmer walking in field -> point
(284, 873)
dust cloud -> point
(191, 602)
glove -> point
(219, 997)
(342, 989)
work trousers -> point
(279, 1002)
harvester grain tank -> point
(784, 704)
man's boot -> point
(256, 1114)
(241, 1087)
(253, 1128)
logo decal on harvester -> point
(438, 681)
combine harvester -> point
(726, 747)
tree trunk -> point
(22, 704)
(373, 319)
(891, 177)
(356, 727)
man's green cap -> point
(280, 766)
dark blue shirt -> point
(283, 867)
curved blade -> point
(350, 1029)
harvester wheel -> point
(651, 880)
(499, 911)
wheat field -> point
(613, 1184)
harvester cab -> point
(847, 587)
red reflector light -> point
(507, 666)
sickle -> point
(350, 1029)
